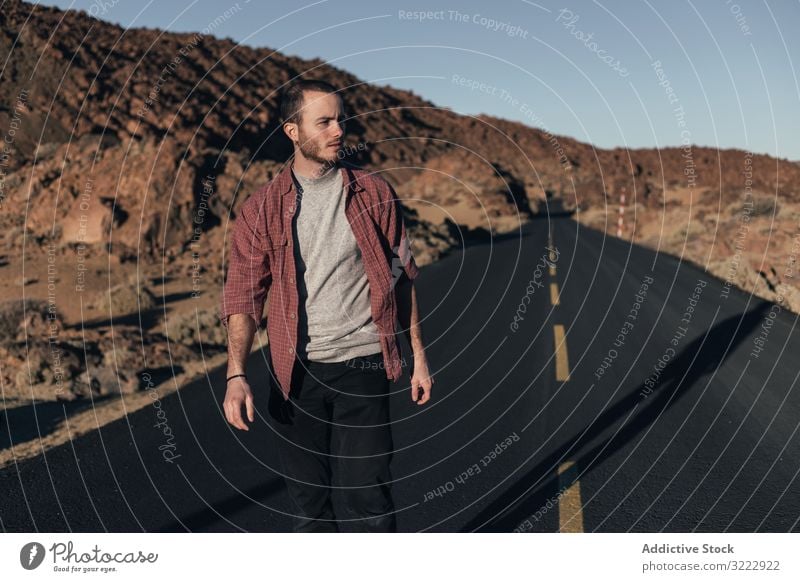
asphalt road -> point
(667, 404)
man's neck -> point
(312, 170)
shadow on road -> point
(27, 422)
(32, 421)
(216, 513)
(530, 494)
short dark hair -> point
(292, 97)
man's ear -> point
(290, 129)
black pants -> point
(337, 415)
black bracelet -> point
(236, 376)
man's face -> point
(321, 128)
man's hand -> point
(421, 379)
(238, 393)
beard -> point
(314, 152)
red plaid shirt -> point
(262, 255)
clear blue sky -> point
(730, 65)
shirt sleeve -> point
(394, 227)
(249, 276)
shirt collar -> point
(285, 181)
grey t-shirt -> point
(335, 314)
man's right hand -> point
(238, 394)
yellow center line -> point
(562, 361)
(552, 270)
(554, 294)
(570, 507)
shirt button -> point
(291, 279)
(291, 350)
(292, 316)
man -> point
(328, 240)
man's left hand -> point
(421, 380)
